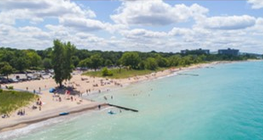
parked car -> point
(4, 81)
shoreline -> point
(19, 122)
(50, 116)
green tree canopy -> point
(96, 61)
(161, 61)
(6, 69)
(85, 63)
(47, 64)
(106, 72)
(20, 63)
(62, 61)
(75, 61)
(108, 62)
(174, 60)
(151, 64)
(131, 59)
(33, 58)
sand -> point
(52, 107)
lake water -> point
(224, 102)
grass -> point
(123, 74)
(13, 100)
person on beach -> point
(38, 101)
(71, 98)
(19, 112)
(99, 106)
(53, 96)
(34, 107)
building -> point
(228, 51)
(197, 51)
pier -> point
(188, 74)
(125, 108)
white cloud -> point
(228, 22)
(82, 24)
(75, 24)
(142, 34)
(33, 37)
(256, 4)
(24, 37)
(257, 29)
(180, 31)
(11, 10)
(155, 12)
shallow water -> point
(222, 103)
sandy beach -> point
(84, 85)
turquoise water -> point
(222, 103)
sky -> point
(133, 25)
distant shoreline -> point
(53, 112)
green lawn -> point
(12, 100)
(123, 74)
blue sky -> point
(128, 25)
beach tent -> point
(52, 90)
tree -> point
(131, 59)
(106, 72)
(108, 62)
(174, 60)
(20, 63)
(33, 58)
(188, 60)
(75, 61)
(151, 64)
(6, 55)
(162, 62)
(85, 63)
(6, 69)
(68, 63)
(142, 65)
(62, 61)
(118, 64)
(96, 61)
(47, 63)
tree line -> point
(68, 57)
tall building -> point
(228, 51)
(197, 51)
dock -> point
(125, 108)
(188, 74)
